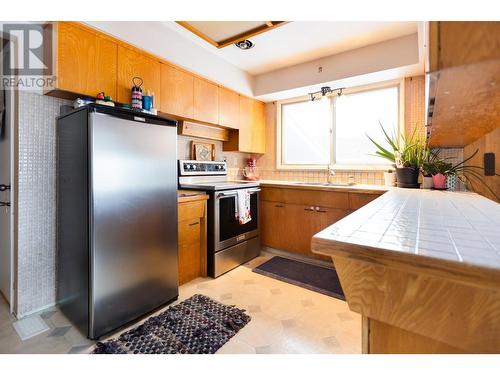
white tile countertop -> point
(356, 188)
(458, 227)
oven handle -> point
(233, 194)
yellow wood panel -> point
(272, 194)
(467, 55)
(290, 218)
(455, 313)
(189, 250)
(272, 228)
(86, 62)
(460, 119)
(134, 64)
(177, 87)
(332, 199)
(251, 134)
(258, 127)
(245, 124)
(192, 238)
(359, 200)
(466, 42)
(487, 143)
(206, 101)
(386, 339)
(202, 131)
(229, 108)
(193, 210)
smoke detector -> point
(244, 44)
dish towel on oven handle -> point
(243, 206)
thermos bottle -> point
(137, 93)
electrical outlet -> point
(489, 164)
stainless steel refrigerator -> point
(116, 217)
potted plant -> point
(440, 170)
(407, 153)
(428, 167)
(389, 178)
(469, 175)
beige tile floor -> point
(285, 319)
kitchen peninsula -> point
(422, 267)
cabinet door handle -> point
(309, 209)
(318, 210)
(192, 224)
(279, 205)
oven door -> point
(228, 231)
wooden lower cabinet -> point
(289, 224)
(192, 242)
(272, 235)
(290, 227)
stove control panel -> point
(202, 168)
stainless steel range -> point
(229, 242)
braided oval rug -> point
(198, 325)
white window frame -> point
(361, 167)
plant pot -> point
(407, 177)
(439, 181)
(451, 182)
(389, 178)
(427, 182)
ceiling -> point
(225, 33)
(296, 42)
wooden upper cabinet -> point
(86, 62)
(456, 43)
(134, 64)
(258, 127)
(177, 91)
(464, 57)
(250, 136)
(229, 108)
(245, 124)
(206, 101)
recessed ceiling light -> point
(244, 44)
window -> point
(306, 128)
(312, 135)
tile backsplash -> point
(36, 273)
(360, 177)
(235, 160)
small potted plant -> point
(406, 153)
(441, 169)
(389, 178)
(428, 168)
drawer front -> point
(316, 198)
(332, 199)
(189, 231)
(358, 200)
(271, 194)
(191, 210)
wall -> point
(36, 250)
(415, 106)
(339, 69)
(487, 143)
(414, 117)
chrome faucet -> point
(331, 174)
